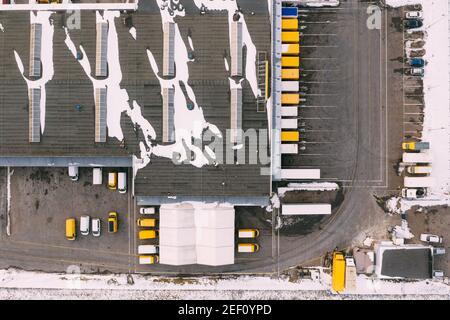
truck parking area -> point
(341, 115)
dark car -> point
(413, 23)
(417, 62)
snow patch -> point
(312, 186)
(2, 28)
(133, 32)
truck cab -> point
(413, 193)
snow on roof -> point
(196, 235)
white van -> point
(85, 221)
(147, 249)
(97, 176)
(147, 210)
(73, 173)
(122, 182)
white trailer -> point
(289, 124)
(419, 182)
(292, 174)
(305, 209)
(289, 111)
(289, 148)
(289, 86)
(416, 157)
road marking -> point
(319, 70)
(318, 34)
(319, 58)
(318, 107)
(331, 46)
(318, 82)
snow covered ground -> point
(436, 95)
(33, 285)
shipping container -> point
(416, 157)
(290, 74)
(292, 49)
(290, 37)
(293, 62)
(419, 182)
(306, 209)
(338, 272)
(289, 148)
(289, 12)
(294, 174)
(290, 98)
(289, 24)
(290, 136)
(289, 111)
(289, 124)
(289, 86)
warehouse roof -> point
(70, 105)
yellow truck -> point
(415, 146)
(290, 37)
(289, 24)
(290, 62)
(290, 136)
(148, 234)
(145, 222)
(290, 74)
(292, 49)
(71, 232)
(338, 272)
(290, 98)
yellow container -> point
(290, 36)
(290, 49)
(290, 98)
(338, 272)
(293, 62)
(148, 234)
(289, 24)
(287, 136)
(290, 74)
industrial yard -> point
(192, 146)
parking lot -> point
(41, 200)
(342, 112)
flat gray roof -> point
(407, 263)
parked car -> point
(438, 251)
(413, 23)
(147, 210)
(73, 173)
(430, 238)
(417, 62)
(85, 222)
(112, 180)
(417, 71)
(414, 15)
(71, 230)
(96, 227)
(112, 222)
(148, 234)
(438, 274)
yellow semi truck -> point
(338, 272)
